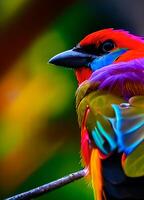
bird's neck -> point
(82, 74)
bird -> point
(109, 68)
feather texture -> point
(115, 121)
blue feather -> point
(106, 59)
(128, 128)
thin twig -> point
(38, 191)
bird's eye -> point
(106, 46)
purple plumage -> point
(125, 79)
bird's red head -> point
(100, 49)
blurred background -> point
(39, 134)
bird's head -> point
(98, 50)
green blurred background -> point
(39, 134)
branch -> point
(38, 191)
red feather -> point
(82, 74)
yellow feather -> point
(96, 175)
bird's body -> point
(110, 108)
(102, 97)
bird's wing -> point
(99, 104)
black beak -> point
(73, 58)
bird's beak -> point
(73, 59)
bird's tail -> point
(96, 175)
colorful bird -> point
(109, 67)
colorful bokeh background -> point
(39, 134)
